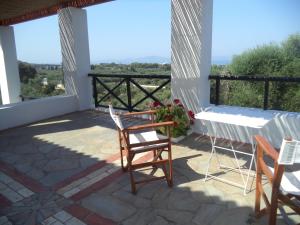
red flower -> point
(176, 101)
(180, 105)
(155, 104)
(191, 114)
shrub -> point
(174, 112)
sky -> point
(125, 29)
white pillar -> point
(75, 54)
(191, 51)
(9, 71)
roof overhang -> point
(17, 11)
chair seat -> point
(145, 137)
(290, 182)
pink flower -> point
(176, 101)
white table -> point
(234, 124)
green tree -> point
(291, 47)
(266, 60)
(26, 72)
(263, 60)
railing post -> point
(130, 109)
(95, 93)
(266, 94)
(217, 90)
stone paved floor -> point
(66, 170)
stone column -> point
(75, 55)
(9, 71)
(191, 51)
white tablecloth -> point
(234, 123)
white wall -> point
(17, 114)
(76, 66)
(191, 51)
(9, 71)
(74, 41)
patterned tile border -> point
(76, 187)
(96, 186)
(13, 190)
(106, 180)
(62, 218)
(88, 217)
(88, 180)
(87, 171)
(23, 179)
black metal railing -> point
(27, 98)
(110, 83)
(265, 80)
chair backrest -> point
(289, 152)
(116, 118)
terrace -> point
(59, 156)
(68, 169)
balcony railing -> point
(127, 91)
(133, 92)
(27, 98)
(215, 94)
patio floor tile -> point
(66, 170)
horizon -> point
(128, 61)
(129, 31)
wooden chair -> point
(285, 185)
(141, 139)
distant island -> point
(157, 59)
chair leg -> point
(122, 161)
(154, 156)
(258, 194)
(133, 187)
(259, 188)
(157, 155)
(170, 166)
(154, 153)
(273, 208)
(121, 150)
(165, 171)
(124, 167)
(132, 182)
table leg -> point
(214, 141)
(248, 175)
(213, 151)
(237, 163)
(253, 146)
